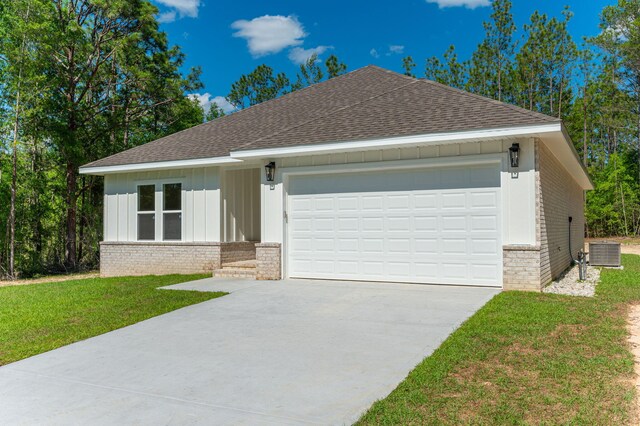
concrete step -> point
(241, 264)
(235, 273)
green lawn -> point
(39, 317)
(528, 358)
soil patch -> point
(633, 325)
(50, 279)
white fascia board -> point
(159, 165)
(397, 142)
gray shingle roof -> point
(367, 103)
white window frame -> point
(181, 211)
(159, 208)
(145, 212)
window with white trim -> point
(172, 212)
(146, 212)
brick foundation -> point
(234, 252)
(160, 258)
(268, 256)
(521, 268)
(157, 258)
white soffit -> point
(553, 135)
(561, 146)
(160, 165)
(399, 142)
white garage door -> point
(436, 225)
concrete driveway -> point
(286, 352)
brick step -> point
(241, 264)
(235, 273)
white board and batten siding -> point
(200, 203)
(241, 205)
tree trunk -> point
(560, 90)
(500, 82)
(71, 258)
(12, 207)
(584, 127)
(638, 130)
(550, 95)
(14, 166)
(37, 216)
(82, 220)
(14, 185)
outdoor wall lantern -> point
(514, 154)
(270, 171)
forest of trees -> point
(592, 84)
(83, 79)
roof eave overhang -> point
(561, 146)
(554, 135)
(399, 142)
(159, 165)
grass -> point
(38, 318)
(527, 358)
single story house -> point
(371, 175)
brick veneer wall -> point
(559, 196)
(142, 258)
(521, 267)
(268, 265)
(234, 252)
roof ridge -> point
(414, 80)
(516, 108)
(306, 88)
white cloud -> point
(205, 100)
(395, 49)
(469, 4)
(374, 53)
(187, 8)
(300, 55)
(165, 17)
(269, 34)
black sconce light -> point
(270, 171)
(514, 154)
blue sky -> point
(230, 38)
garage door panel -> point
(486, 223)
(453, 201)
(348, 245)
(425, 246)
(372, 224)
(347, 224)
(425, 224)
(485, 273)
(484, 246)
(348, 204)
(397, 202)
(487, 200)
(429, 226)
(372, 245)
(456, 271)
(372, 202)
(454, 223)
(425, 201)
(426, 271)
(454, 246)
(323, 224)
